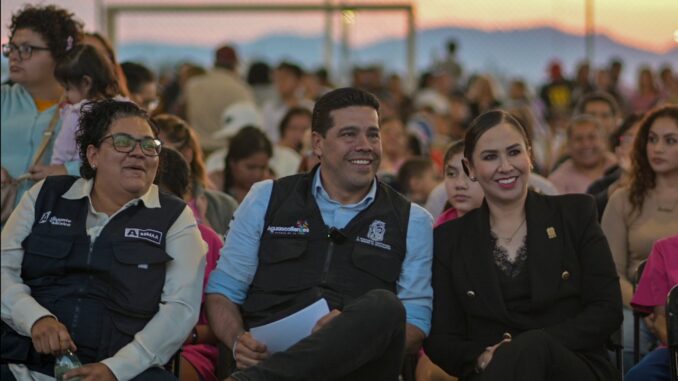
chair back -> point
(672, 329)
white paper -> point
(283, 333)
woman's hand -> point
(51, 337)
(91, 372)
(485, 357)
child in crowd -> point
(86, 75)
(416, 179)
(463, 194)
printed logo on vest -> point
(375, 235)
(44, 217)
(54, 220)
(300, 228)
(147, 234)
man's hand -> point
(248, 351)
(485, 357)
(51, 337)
(40, 171)
(91, 372)
(323, 321)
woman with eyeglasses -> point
(105, 265)
(39, 38)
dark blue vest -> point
(103, 292)
(301, 259)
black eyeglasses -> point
(126, 143)
(25, 50)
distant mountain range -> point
(524, 53)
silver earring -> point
(473, 178)
(94, 166)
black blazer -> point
(575, 294)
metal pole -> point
(590, 30)
(111, 20)
(329, 27)
(411, 50)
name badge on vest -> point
(375, 235)
(149, 235)
(301, 228)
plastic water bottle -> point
(64, 363)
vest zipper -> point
(328, 260)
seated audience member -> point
(246, 163)
(524, 286)
(100, 42)
(39, 39)
(659, 276)
(463, 194)
(199, 354)
(213, 208)
(646, 209)
(234, 118)
(342, 211)
(103, 265)
(589, 156)
(141, 85)
(394, 145)
(647, 94)
(287, 81)
(601, 106)
(617, 176)
(416, 179)
(293, 130)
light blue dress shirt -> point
(239, 256)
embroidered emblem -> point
(376, 231)
(551, 232)
(145, 234)
(300, 228)
(375, 235)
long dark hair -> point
(643, 177)
(247, 142)
(86, 60)
(179, 132)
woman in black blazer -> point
(524, 287)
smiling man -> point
(335, 233)
(589, 156)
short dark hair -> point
(57, 26)
(137, 76)
(86, 60)
(338, 99)
(413, 167)
(292, 68)
(259, 73)
(597, 96)
(291, 113)
(173, 173)
(95, 122)
(485, 122)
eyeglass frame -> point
(136, 142)
(9, 47)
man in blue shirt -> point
(336, 233)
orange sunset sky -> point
(646, 24)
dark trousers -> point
(535, 356)
(365, 342)
(148, 375)
(655, 366)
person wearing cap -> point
(207, 96)
(336, 233)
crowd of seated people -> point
(482, 236)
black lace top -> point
(501, 258)
(513, 277)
